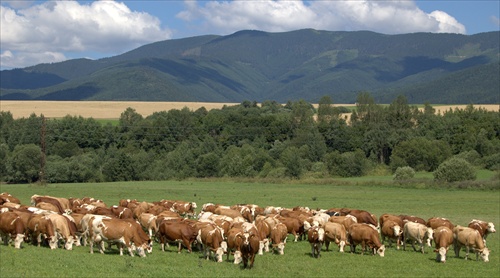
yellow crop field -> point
(113, 109)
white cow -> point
(417, 232)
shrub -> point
(404, 173)
(455, 169)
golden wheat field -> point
(113, 109)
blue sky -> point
(34, 32)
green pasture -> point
(460, 206)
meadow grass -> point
(460, 206)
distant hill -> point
(254, 65)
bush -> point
(473, 157)
(455, 169)
(404, 173)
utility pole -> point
(42, 147)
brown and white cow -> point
(264, 230)
(294, 226)
(366, 235)
(417, 232)
(435, 222)
(122, 212)
(148, 222)
(364, 216)
(212, 239)
(391, 231)
(316, 237)
(228, 212)
(186, 209)
(278, 238)
(41, 225)
(484, 228)
(180, 232)
(335, 232)
(470, 238)
(386, 216)
(8, 198)
(118, 231)
(249, 249)
(235, 240)
(346, 220)
(62, 229)
(12, 227)
(411, 218)
(443, 238)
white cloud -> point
(495, 20)
(43, 32)
(389, 17)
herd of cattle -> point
(239, 230)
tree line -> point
(267, 140)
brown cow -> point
(228, 212)
(212, 239)
(7, 198)
(39, 225)
(435, 222)
(470, 238)
(346, 220)
(411, 218)
(367, 235)
(180, 232)
(35, 199)
(248, 250)
(294, 226)
(443, 238)
(148, 222)
(122, 212)
(12, 227)
(264, 230)
(364, 216)
(186, 209)
(335, 232)
(278, 237)
(395, 218)
(121, 232)
(392, 231)
(316, 237)
(484, 228)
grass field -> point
(460, 206)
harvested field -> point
(113, 109)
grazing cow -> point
(470, 238)
(392, 231)
(148, 222)
(47, 206)
(278, 238)
(7, 198)
(235, 239)
(443, 238)
(294, 226)
(316, 237)
(364, 216)
(122, 212)
(249, 248)
(39, 225)
(335, 232)
(346, 220)
(228, 212)
(246, 213)
(384, 217)
(118, 231)
(411, 218)
(417, 232)
(63, 230)
(436, 222)
(76, 218)
(264, 230)
(85, 225)
(180, 232)
(212, 239)
(12, 227)
(484, 228)
(368, 236)
(35, 199)
(186, 209)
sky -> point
(34, 32)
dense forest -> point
(266, 140)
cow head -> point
(397, 230)
(220, 252)
(18, 240)
(321, 234)
(52, 242)
(381, 251)
(441, 254)
(237, 257)
(281, 248)
(341, 246)
(491, 227)
(69, 243)
(484, 254)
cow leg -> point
(252, 259)
(467, 252)
(296, 236)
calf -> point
(484, 228)
(443, 238)
(335, 232)
(12, 227)
(417, 232)
(278, 238)
(367, 235)
(316, 237)
(392, 231)
(470, 238)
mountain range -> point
(254, 65)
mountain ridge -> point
(255, 65)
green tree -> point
(291, 160)
(420, 153)
(24, 163)
(455, 169)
